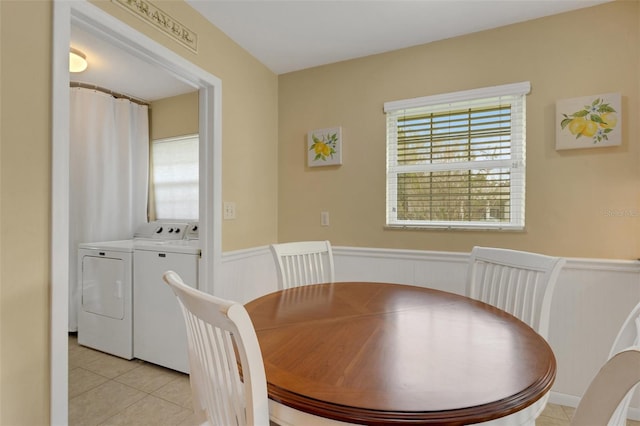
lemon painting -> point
(588, 122)
(324, 147)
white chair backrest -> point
(614, 380)
(517, 282)
(218, 333)
(629, 335)
(303, 262)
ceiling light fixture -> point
(77, 60)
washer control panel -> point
(162, 231)
(192, 232)
(170, 231)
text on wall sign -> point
(155, 16)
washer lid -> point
(125, 246)
(169, 246)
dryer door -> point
(102, 286)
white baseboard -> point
(573, 401)
(563, 399)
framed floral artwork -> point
(324, 147)
(589, 121)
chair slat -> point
(619, 375)
(221, 338)
(629, 335)
(517, 282)
(304, 262)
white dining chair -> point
(518, 282)
(220, 333)
(303, 262)
(615, 379)
(629, 335)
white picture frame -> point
(324, 147)
(589, 122)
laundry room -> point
(133, 199)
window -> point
(457, 160)
(175, 183)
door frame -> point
(83, 13)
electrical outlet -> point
(324, 218)
(229, 210)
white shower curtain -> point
(108, 173)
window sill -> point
(515, 229)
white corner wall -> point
(592, 299)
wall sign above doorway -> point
(152, 14)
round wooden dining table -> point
(384, 354)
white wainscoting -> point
(591, 301)
(247, 275)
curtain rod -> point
(108, 92)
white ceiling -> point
(114, 69)
(291, 35)
(295, 34)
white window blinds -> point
(458, 160)
(175, 175)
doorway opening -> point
(67, 14)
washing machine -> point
(159, 331)
(105, 317)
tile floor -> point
(558, 415)
(107, 390)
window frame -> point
(153, 199)
(512, 94)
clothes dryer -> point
(105, 317)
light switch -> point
(229, 210)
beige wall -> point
(174, 116)
(249, 90)
(25, 134)
(569, 193)
(580, 53)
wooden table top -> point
(378, 353)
